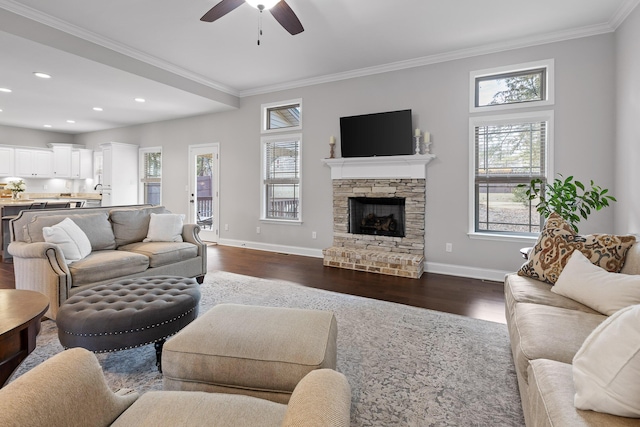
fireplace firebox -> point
(380, 216)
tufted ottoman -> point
(252, 350)
(128, 313)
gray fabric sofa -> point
(70, 390)
(118, 252)
(546, 331)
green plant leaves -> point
(562, 196)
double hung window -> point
(151, 175)
(509, 149)
(281, 162)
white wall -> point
(628, 130)
(438, 95)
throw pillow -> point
(72, 241)
(165, 228)
(595, 287)
(557, 242)
(606, 369)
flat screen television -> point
(379, 134)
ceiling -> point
(105, 54)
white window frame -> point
(264, 109)
(548, 116)
(547, 64)
(141, 152)
(263, 194)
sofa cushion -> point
(72, 241)
(165, 228)
(545, 332)
(525, 289)
(632, 261)
(595, 287)
(556, 243)
(132, 224)
(551, 394)
(606, 369)
(197, 408)
(105, 265)
(95, 225)
(162, 253)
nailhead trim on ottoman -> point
(128, 313)
(257, 351)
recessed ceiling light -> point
(71, 121)
(0, 110)
(41, 75)
(97, 108)
(141, 100)
(4, 89)
(48, 126)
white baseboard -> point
(462, 271)
(430, 267)
(291, 250)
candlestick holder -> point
(417, 138)
(427, 150)
(332, 154)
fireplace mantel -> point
(382, 167)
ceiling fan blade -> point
(221, 9)
(287, 18)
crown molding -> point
(621, 14)
(439, 58)
(89, 36)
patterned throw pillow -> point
(558, 241)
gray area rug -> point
(407, 366)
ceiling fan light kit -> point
(266, 4)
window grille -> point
(151, 177)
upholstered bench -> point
(128, 313)
(257, 351)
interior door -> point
(204, 161)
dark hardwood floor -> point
(458, 295)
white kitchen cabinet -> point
(33, 163)
(81, 163)
(6, 161)
(62, 161)
(119, 174)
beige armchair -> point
(70, 390)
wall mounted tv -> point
(379, 134)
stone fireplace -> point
(379, 208)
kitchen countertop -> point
(58, 197)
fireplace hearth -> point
(379, 208)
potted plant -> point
(569, 198)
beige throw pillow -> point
(595, 287)
(557, 242)
(165, 228)
(606, 369)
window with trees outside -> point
(281, 161)
(151, 175)
(509, 150)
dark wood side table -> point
(20, 314)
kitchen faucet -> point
(96, 187)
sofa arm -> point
(321, 399)
(41, 267)
(191, 234)
(67, 390)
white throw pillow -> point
(73, 243)
(165, 228)
(606, 369)
(595, 287)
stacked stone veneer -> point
(397, 256)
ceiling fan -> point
(278, 8)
